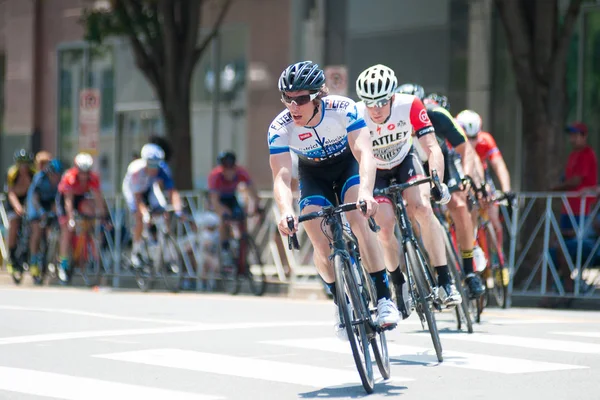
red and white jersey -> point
(392, 140)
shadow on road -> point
(387, 388)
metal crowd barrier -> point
(532, 260)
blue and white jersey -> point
(42, 186)
(137, 179)
(323, 142)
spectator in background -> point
(581, 173)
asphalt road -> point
(79, 344)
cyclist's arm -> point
(68, 197)
(471, 163)
(254, 194)
(359, 141)
(139, 203)
(501, 171)
(175, 198)
(281, 167)
(435, 158)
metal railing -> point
(539, 262)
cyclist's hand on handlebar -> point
(370, 202)
(441, 195)
(283, 224)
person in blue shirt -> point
(40, 201)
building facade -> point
(455, 47)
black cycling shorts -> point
(232, 203)
(327, 183)
(409, 169)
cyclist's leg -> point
(371, 251)
(229, 202)
(33, 215)
(494, 214)
(419, 206)
(66, 233)
(13, 229)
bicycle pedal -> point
(388, 327)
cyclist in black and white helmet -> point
(335, 164)
(392, 118)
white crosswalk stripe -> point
(69, 387)
(519, 341)
(480, 362)
(581, 334)
(255, 368)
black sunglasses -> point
(299, 100)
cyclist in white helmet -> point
(488, 152)
(450, 134)
(141, 188)
(391, 118)
(335, 163)
(73, 188)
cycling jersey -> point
(46, 193)
(137, 179)
(227, 188)
(392, 140)
(324, 142)
(13, 175)
(486, 148)
(446, 128)
(70, 184)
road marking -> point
(69, 387)
(509, 321)
(423, 355)
(582, 334)
(98, 315)
(274, 371)
(519, 341)
(52, 337)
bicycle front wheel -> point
(172, 264)
(500, 286)
(254, 268)
(418, 270)
(356, 333)
(90, 267)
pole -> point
(216, 94)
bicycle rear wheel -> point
(254, 268)
(499, 289)
(90, 267)
(346, 285)
(171, 264)
(462, 311)
(418, 270)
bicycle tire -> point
(354, 332)
(230, 277)
(90, 268)
(171, 268)
(500, 290)
(144, 273)
(462, 312)
(257, 279)
(369, 295)
(418, 273)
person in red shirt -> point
(223, 181)
(72, 189)
(581, 172)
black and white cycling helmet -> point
(376, 84)
(412, 88)
(152, 152)
(303, 75)
(470, 121)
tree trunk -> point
(177, 113)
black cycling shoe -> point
(474, 285)
(403, 300)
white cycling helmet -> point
(376, 84)
(470, 121)
(84, 162)
(152, 152)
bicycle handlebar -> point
(327, 212)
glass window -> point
(71, 79)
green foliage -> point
(140, 19)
